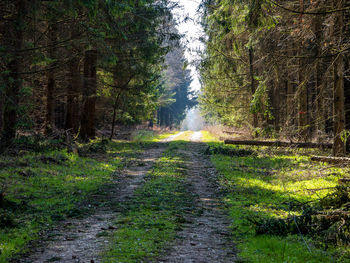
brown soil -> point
(205, 238)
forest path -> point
(172, 137)
(205, 238)
(79, 240)
(196, 136)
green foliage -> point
(235, 31)
(259, 100)
(132, 65)
(175, 95)
(130, 37)
(141, 135)
(38, 143)
(345, 134)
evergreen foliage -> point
(177, 97)
(48, 80)
(278, 65)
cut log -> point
(334, 160)
(2, 199)
(234, 132)
(281, 144)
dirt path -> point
(173, 137)
(206, 238)
(196, 136)
(78, 240)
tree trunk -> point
(276, 101)
(166, 117)
(338, 87)
(113, 119)
(87, 129)
(73, 91)
(158, 117)
(290, 93)
(302, 90)
(346, 38)
(280, 144)
(12, 81)
(320, 113)
(290, 112)
(171, 119)
(114, 114)
(74, 85)
(51, 78)
(338, 108)
(252, 82)
(1, 110)
(162, 116)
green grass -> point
(155, 213)
(208, 137)
(42, 188)
(185, 136)
(144, 135)
(272, 186)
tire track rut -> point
(206, 238)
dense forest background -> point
(278, 67)
(81, 65)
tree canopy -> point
(85, 64)
(278, 67)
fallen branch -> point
(234, 132)
(319, 189)
(280, 144)
(335, 160)
(313, 189)
(334, 213)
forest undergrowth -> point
(284, 208)
(44, 181)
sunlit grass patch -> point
(272, 187)
(185, 136)
(268, 249)
(163, 136)
(155, 212)
(41, 188)
(150, 136)
(208, 137)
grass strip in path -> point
(155, 213)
